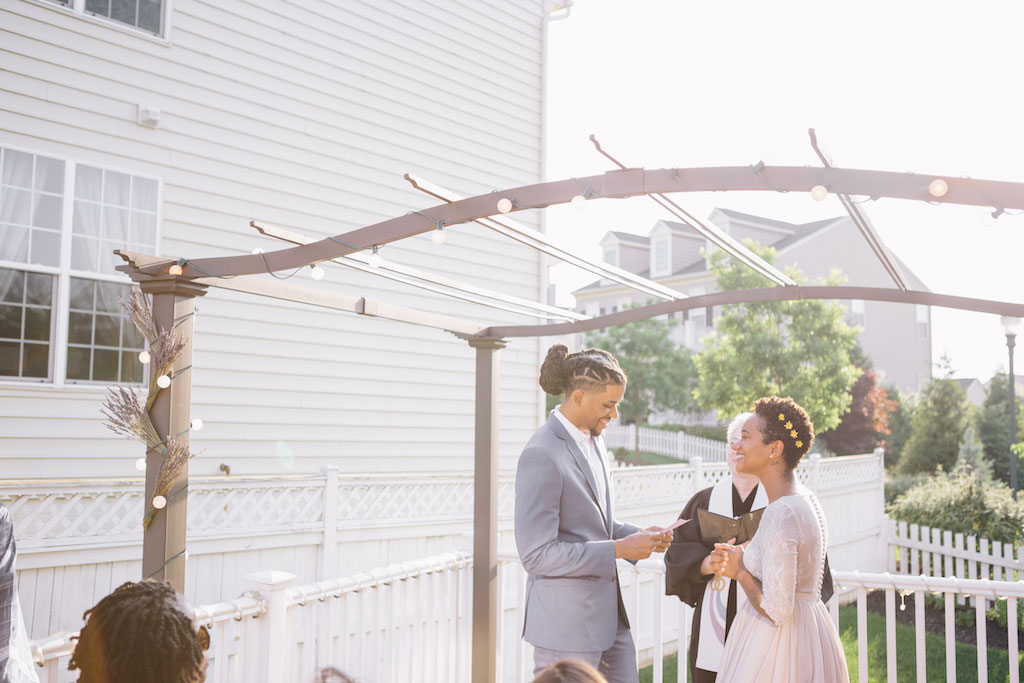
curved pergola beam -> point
(615, 184)
(742, 296)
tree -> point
(899, 425)
(937, 427)
(800, 349)
(994, 425)
(661, 373)
(866, 422)
(971, 456)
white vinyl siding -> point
(303, 115)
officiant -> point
(687, 563)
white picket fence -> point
(678, 445)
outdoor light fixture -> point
(175, 270)
(159, 502)
(140, 464)
(1010, 327)
(375, 258)
(258, 250)
(504, 205)
(316, 272)
(196, 425)
(144, 357)
(163, 381)
(819, 192)
(577, 201)
(938, 188)
(437, 237)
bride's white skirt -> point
(806, 649)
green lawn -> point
(646, 458)
(906, 661)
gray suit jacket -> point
(565, 537)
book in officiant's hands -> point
(716, 528)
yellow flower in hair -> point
(792, 433)
(799, 444)
(789, 425)
(782, 417)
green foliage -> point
(704, 431)
(937, 428)
(898, 484)
(971, 456)
(800, 349)
(899, 425)
(629, 457)
(994, 425)
(661, 373)
(551, 401)
(963, 502)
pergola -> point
(174, 283)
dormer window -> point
(660, 257)
(611, 256)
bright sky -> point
(929, 87)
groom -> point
(567, 537)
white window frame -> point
(77, 7)
(61, 308)
(611, 256)
(662, 246)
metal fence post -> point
(269, 655)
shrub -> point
(962, 502)
(898, 484)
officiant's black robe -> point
(684, 580)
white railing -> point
(678, 445)
(949, 587)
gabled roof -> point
(758, 220)
(630, 237)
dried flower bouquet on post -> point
(124, 409)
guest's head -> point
(779, 433)
(592, 381)
(569, 671)
(331, 675)
(732, 435)
(143, 631)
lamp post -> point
(1010, 325)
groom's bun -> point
(554, 372)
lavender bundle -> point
(176, 456)
(125, 416)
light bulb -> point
(140, 464)
(196, 425)
(437, 237)
(144, 357)
(186, 556)
(174, 270)
(819, 192)
(938, 188)
(258, 250)
(316, 272)
(375, 258)
(504, 205)
(577, 201)
(163, 381)
(159, 502)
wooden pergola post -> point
(485, 510)
(163, 543)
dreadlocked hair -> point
(783, 420)
(590, 369)
(138, 633)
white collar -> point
(578, 435)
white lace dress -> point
(799, 643)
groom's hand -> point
(640, 545)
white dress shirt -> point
(591, 452)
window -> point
(145, 15)
(922, 321)
(660, 265)
(60, 318)
(857, 312)
(611, 256)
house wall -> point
(304, 115)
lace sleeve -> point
(778, 563)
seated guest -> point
(331, 675)
(569, 671)
(143, 631)
(15, 658)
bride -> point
(783, 633)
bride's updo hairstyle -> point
(589, 369)
(783, 420)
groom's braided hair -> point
(589, 369)
(783, 420)
(138, 633)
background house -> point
(676, 256)
(168, 127)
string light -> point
(504, 205)
(140, 464)
(316, 272)
(258, 250)
(175, 270)
(437, 237)
(375, 258)
(577, 201)
(144, 357)
(819, 192)
(159, 502)
(163, 381)
(196, 425)
(938, 188)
